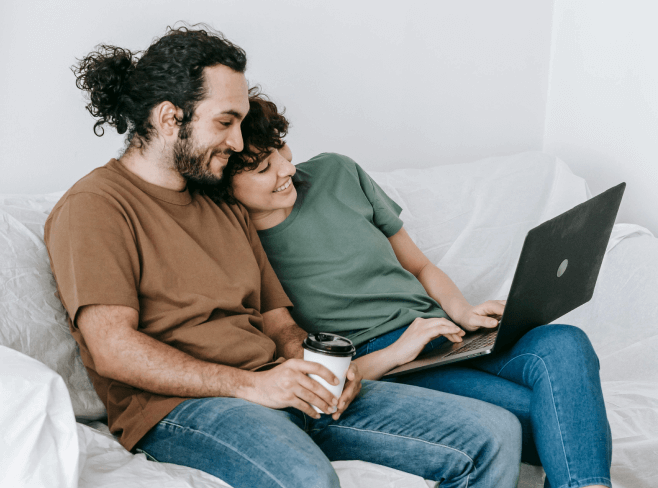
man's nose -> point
(234, 139)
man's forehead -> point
(226, 92)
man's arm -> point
(122, 353)
(279, 326)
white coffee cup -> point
(332, 351)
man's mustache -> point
(222, 152)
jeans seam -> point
(227, 446)
(566, 461)
(405, 437)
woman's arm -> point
(421, 331)
(442, 289)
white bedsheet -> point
(470, 219)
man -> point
(181, 322)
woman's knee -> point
(569, 342)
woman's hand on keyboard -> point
(485, 315)
(419, 333)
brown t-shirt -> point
(194, 270)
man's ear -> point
(164, 119)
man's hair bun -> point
(103, 74)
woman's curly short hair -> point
(263, 129)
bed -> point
(469, 219)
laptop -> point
(556, 272)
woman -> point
(339, 248)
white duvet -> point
(470, 219)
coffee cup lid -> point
(330, 344)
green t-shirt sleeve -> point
(386, 211)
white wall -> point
(389, 83)
(602, 111)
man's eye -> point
(226, 124)
(265, 168)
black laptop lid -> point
(559, 265)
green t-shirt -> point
(333, 257)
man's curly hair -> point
(124, 86)
(263, 129)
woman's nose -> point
(285, 167)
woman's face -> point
(269, 187)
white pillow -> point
(32, 319)
(39, 442)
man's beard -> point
(192, 162)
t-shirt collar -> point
(165, 194)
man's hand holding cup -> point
(335, 353)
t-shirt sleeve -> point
(93, 253)
(386, 214)
(272, 294)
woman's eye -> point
(265, 168)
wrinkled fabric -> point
(32, 319)
(38, 440)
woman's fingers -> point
(441, 327)
(453, 337)
(493, 308)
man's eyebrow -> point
(234, 113)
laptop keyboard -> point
(480, 342)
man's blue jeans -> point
(457, 441)
(550, 381)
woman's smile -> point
(284, 186)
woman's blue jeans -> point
(457, 441)
(550, 380)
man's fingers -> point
(350, 392)
(312, 399)
(305, 407)
(352, 372)
(318, 390)
(309, 367)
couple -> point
(185, 328)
